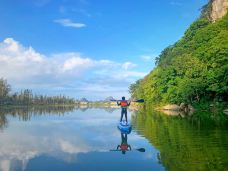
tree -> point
(4, 90)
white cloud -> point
(70, 73)
(71, 148)
(77, 62)
(11, 45)
(69, 23)
(128, 65)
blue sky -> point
(85, 48)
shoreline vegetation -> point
(26, 98)
(192, 74)
(26, 102)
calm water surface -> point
(80, 139)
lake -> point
(57, 139)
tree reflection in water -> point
(193, 143)
(27, 112)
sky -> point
(87, 48)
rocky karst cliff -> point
(218, 9)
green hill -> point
(193, 70)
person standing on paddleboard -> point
(124, 104)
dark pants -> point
(123, 138)
(123, 112)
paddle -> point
(114, 100)
(139, 149)
(137, 101)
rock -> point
(172, 107)
(225, 111)
(182, 106)
(219, 9)
(190, 113)
(182, 115)
(171, 112)
(191, 108)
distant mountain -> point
(83, 100)
(109, 98)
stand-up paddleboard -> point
(124, 127)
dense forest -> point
(26, 97)
(194, 70)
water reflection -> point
(3, 121)
(124, 146)
(185, 144)
(73, 140)
(26, 113)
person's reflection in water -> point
(124, 146)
